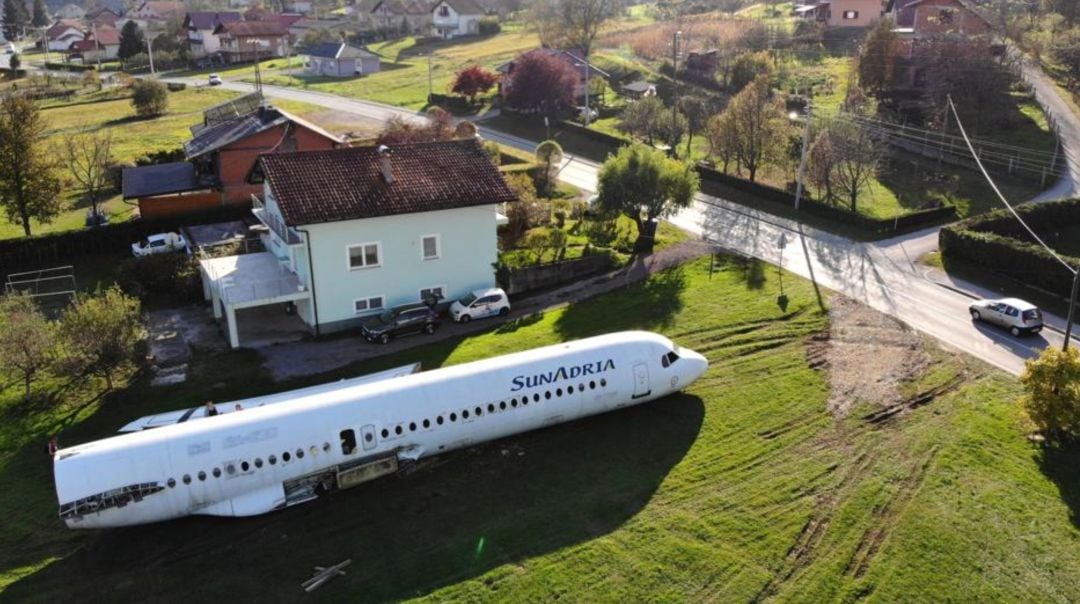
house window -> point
(435, 293)
(429, 247)
(364, 255)
(444, 11)
(851, 14)
(364, 305)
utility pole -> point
(802, 157)
(150, 53)
(674, 87)
(1072, 309)
(430, 87)
(97, 47)
(587, 110)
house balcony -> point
(273, 222)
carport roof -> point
(160, 179)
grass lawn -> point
(742, 488)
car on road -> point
(1014, 314)
(9, 49)
(159, 244)
(398, 321)
(479, 304)
(214, 80)
(584, 111)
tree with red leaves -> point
(541, 82)
(473, 81)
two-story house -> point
(252, 40)
(103, 44)
(159, 10)
(63, 33)
(354, 231)
(403, 16)
(200, 28)
(454, 18)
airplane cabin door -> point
(367, 436)
(641, 380)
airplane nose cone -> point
(696, 365)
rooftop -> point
(220, 133)
(160, 179)
(313, 187)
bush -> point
(102, 333)
(170, 277)
(560, 208)
(1052, 400)
(489, 26)
(150, 98)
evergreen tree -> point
(16, 19)
(41, 14)
(132, 41)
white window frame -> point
(363, 256)
(851, 14)
(420, 294)
(367, 300)
(438, 247)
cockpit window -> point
(669, 359)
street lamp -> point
(674, 88)
(794, 116)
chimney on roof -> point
(384, 163)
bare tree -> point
(571, 23)
(858, 155)
(756, 126)
(721, 132)
(88, 156)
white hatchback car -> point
(159, 243)
(479, 304)
(214, 80)
(1014, 314)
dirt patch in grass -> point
(344, 123)
(869, 357)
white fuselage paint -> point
(396, 419)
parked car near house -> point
(160, 243)
(1014, 314)
(583, 111)
(10, 49)
(400, 320)
(479, 304)
(214, 80)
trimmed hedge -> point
(28, 253)
(69, 67)
(993, 241)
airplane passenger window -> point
(284, 457)
(502, 405)
(592, 385)
(465, 414)
(513, 402)
(326, 447)
(491, 408)
(536, 397)
(231, 469)
(171, 483)
(187, 479)
(385, 433)
(299, 453)
(202, 475)
(453, 417)
(547, 395)
(412, 426)
(558, 392)
(216, 472)
(479, 411)
(244, 466)
(272, 460)
(258, 462)
(348, 442)
(581, 387)
(603, 383)
(427, 423)
(439, 420)
(397, 430)
(524, 401)
(570, 389)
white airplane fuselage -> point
(259, 460)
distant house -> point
(200, 28)
(70, 11)
(923, 18)
(638, 89)
(303, 7)
(301, 26)
(247, 40)
(103, 15)
(454, 18)
(152, 10)
(573, 58)
(63, 33)
(101, 45)
(234, 133)
(338, 59)
(402, 16)
(354, 231)
(842, 13)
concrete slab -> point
(262, 326)
(249, 278)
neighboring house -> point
(338, 59)
(404, 16)
(303, 7)
(69, 11)
(200, 28)
(247, 40)
(933, 17)
(842, 13)
(159, 11)
(454, 18)
(354, 231)
(171, 189)
(299, 27)
(233, 134)
(101, 45)
(573, 58)
(63, 33)
(103, 15)
(638, 89)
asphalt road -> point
(884, 275)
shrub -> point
(489, 26)
(101, 333)
(560, 208)
(174, 277)
(1052, 399)
(150, 98)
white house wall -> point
(467, 250)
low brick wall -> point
(546, 275)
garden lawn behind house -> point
(742, 488)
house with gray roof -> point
(455, 18)
(200, 26)
(337, 59)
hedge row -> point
(29, 253)
(993, 241)
(69, 67)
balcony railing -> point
(274, 222)
(261, 290)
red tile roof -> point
(312, 187)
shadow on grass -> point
(750, 271)
(648, 305)
(518, 323)
(454, 518)
(1059, 464)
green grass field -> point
(742, 488)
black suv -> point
(398, 321)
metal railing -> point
(261, 290)
(273, 222)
